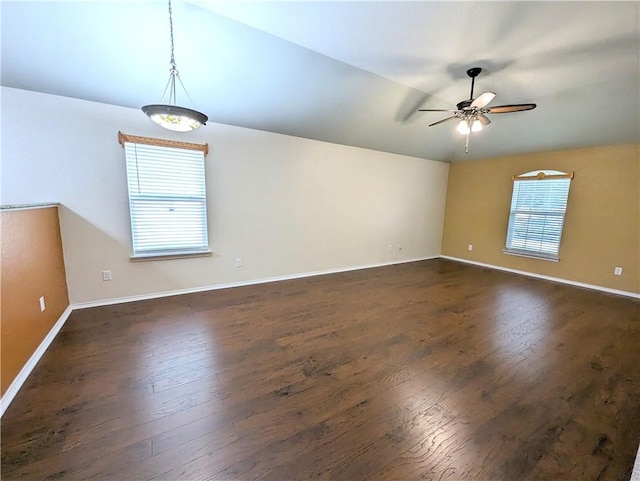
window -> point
(538, 205)
(167, 196)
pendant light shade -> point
(170, 116)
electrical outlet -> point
(470, 247)
(618, 271)
(238, 262)
(106, 275)
(42, 306)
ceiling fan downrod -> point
(473, 73)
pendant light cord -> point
(173, 70)
(173, 67)
(173, 62)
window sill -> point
(530, 255)
(169, 256)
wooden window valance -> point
(543, 176)
(122, 138)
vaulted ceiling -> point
(349, 72)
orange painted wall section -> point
(602, 223)
(32, 266)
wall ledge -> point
(43, 205)
(618, 292)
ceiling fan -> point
(472, 112)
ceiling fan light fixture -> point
(463, 127)
(171, 116)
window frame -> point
(199, 183)
(547, 216)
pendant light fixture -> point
(170, 116)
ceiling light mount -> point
(473, 72)
(170, 116)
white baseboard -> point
(635, 295)
(635, 475)
(46, 342)
(33, 360)
(22, 376)
(264, 280)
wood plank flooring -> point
(429, 370)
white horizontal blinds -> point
(536, 218)
(167, 199)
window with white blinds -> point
(536, 218)
(167, 199)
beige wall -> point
(285, 205)
(602, 224)
(32, 266)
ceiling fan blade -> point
(505, 109)
(436, 110)
(484, 120)
(443, 120)
(483, 100)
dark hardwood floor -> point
(430, 370)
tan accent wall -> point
(602, 223)
(32, 266)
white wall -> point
(285, 205)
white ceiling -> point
(349, 72)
